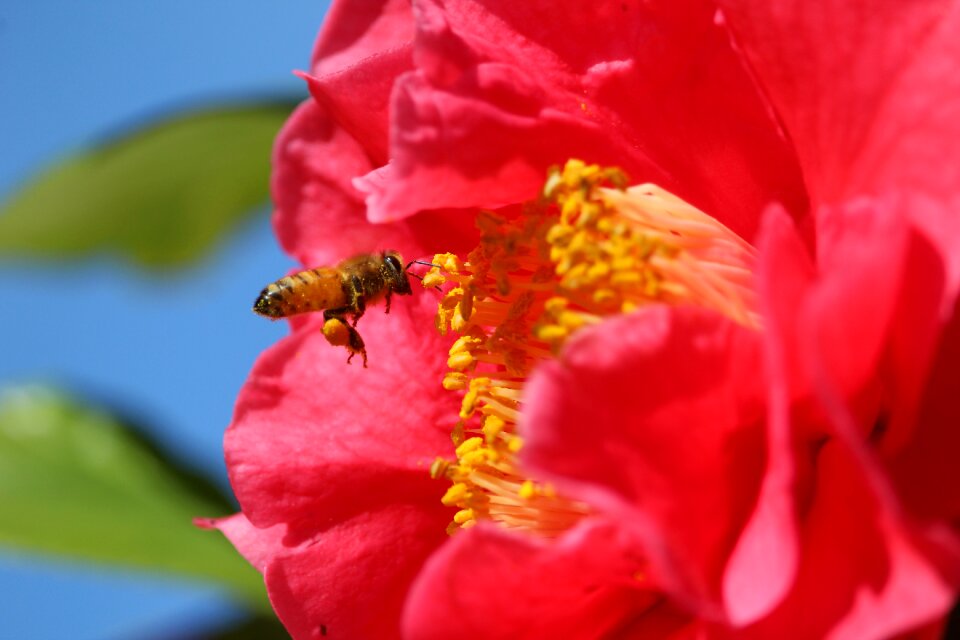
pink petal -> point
(490, 583)
(505, 89)
(655, 419)
(258, 546)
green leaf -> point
(257, 628)
(75, 482)
(160, 196)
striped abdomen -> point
(310, 290)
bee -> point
(339, 291)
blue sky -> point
(73, 73)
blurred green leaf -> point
(74, 481)
(257, 628)
(160, 196)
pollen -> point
(590, 247)
(336, 332)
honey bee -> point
(339, 291)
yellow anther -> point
(651, 288)
(572, 278)
(553, 184)
(558, 256)
(468, 405)
(460, 361)
(559, 234)
(448, 262)
(598, 270)
(464, 343)
(492, 427)
(570, 207)
(579, 242)
(442, 321)
(551, 333)
(470, 444)
(603, 296)
(456, 494)
(555, 305)
(478, 458)
(571, 320)
(463, 516)
(588, 214)
(458, 323)
(478, 386)
(625, 278)
(455, 381)
(515, 444)
(527, 490)
(433, 278)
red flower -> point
(774, 467)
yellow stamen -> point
(590, 248)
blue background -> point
(171, 349)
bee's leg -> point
(356, 300)
(387, 297)
(355, 346)
(339, 333)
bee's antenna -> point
(426, 264)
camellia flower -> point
(697, 351)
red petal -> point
(490, 583)
(315, 440)
(361, 50)
(654, 418)
(320, 218)
(868, 92)
(351, 581)
(505, 89)
(861, 573)
(855, 559)
(925, 468)
(870, 95)
(357, 31)
(763, 564)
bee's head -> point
(395, 274)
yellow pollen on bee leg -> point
(591, 247)
(336, 332)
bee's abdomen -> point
(310, 290)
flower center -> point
(589, 248)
